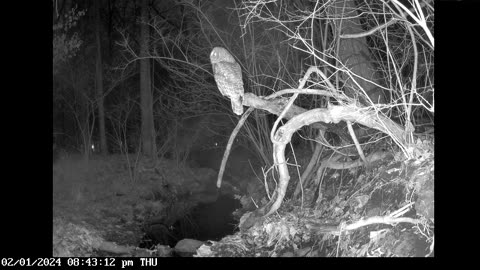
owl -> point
(228, 75)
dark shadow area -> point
(207, 221)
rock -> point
(288, 254)
(187, 246)
(164, 251)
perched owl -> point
(228, 75)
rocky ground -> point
(115, 205)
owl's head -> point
(220, 54)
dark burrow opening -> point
(207, 221)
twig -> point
(370, 32)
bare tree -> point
(99, 81)
(146, 99)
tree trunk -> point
(99, 80)
(84, 124)
(146, 100)
(354, 53)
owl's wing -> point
(231, 73)
(237, 70)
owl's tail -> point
(237, 105)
